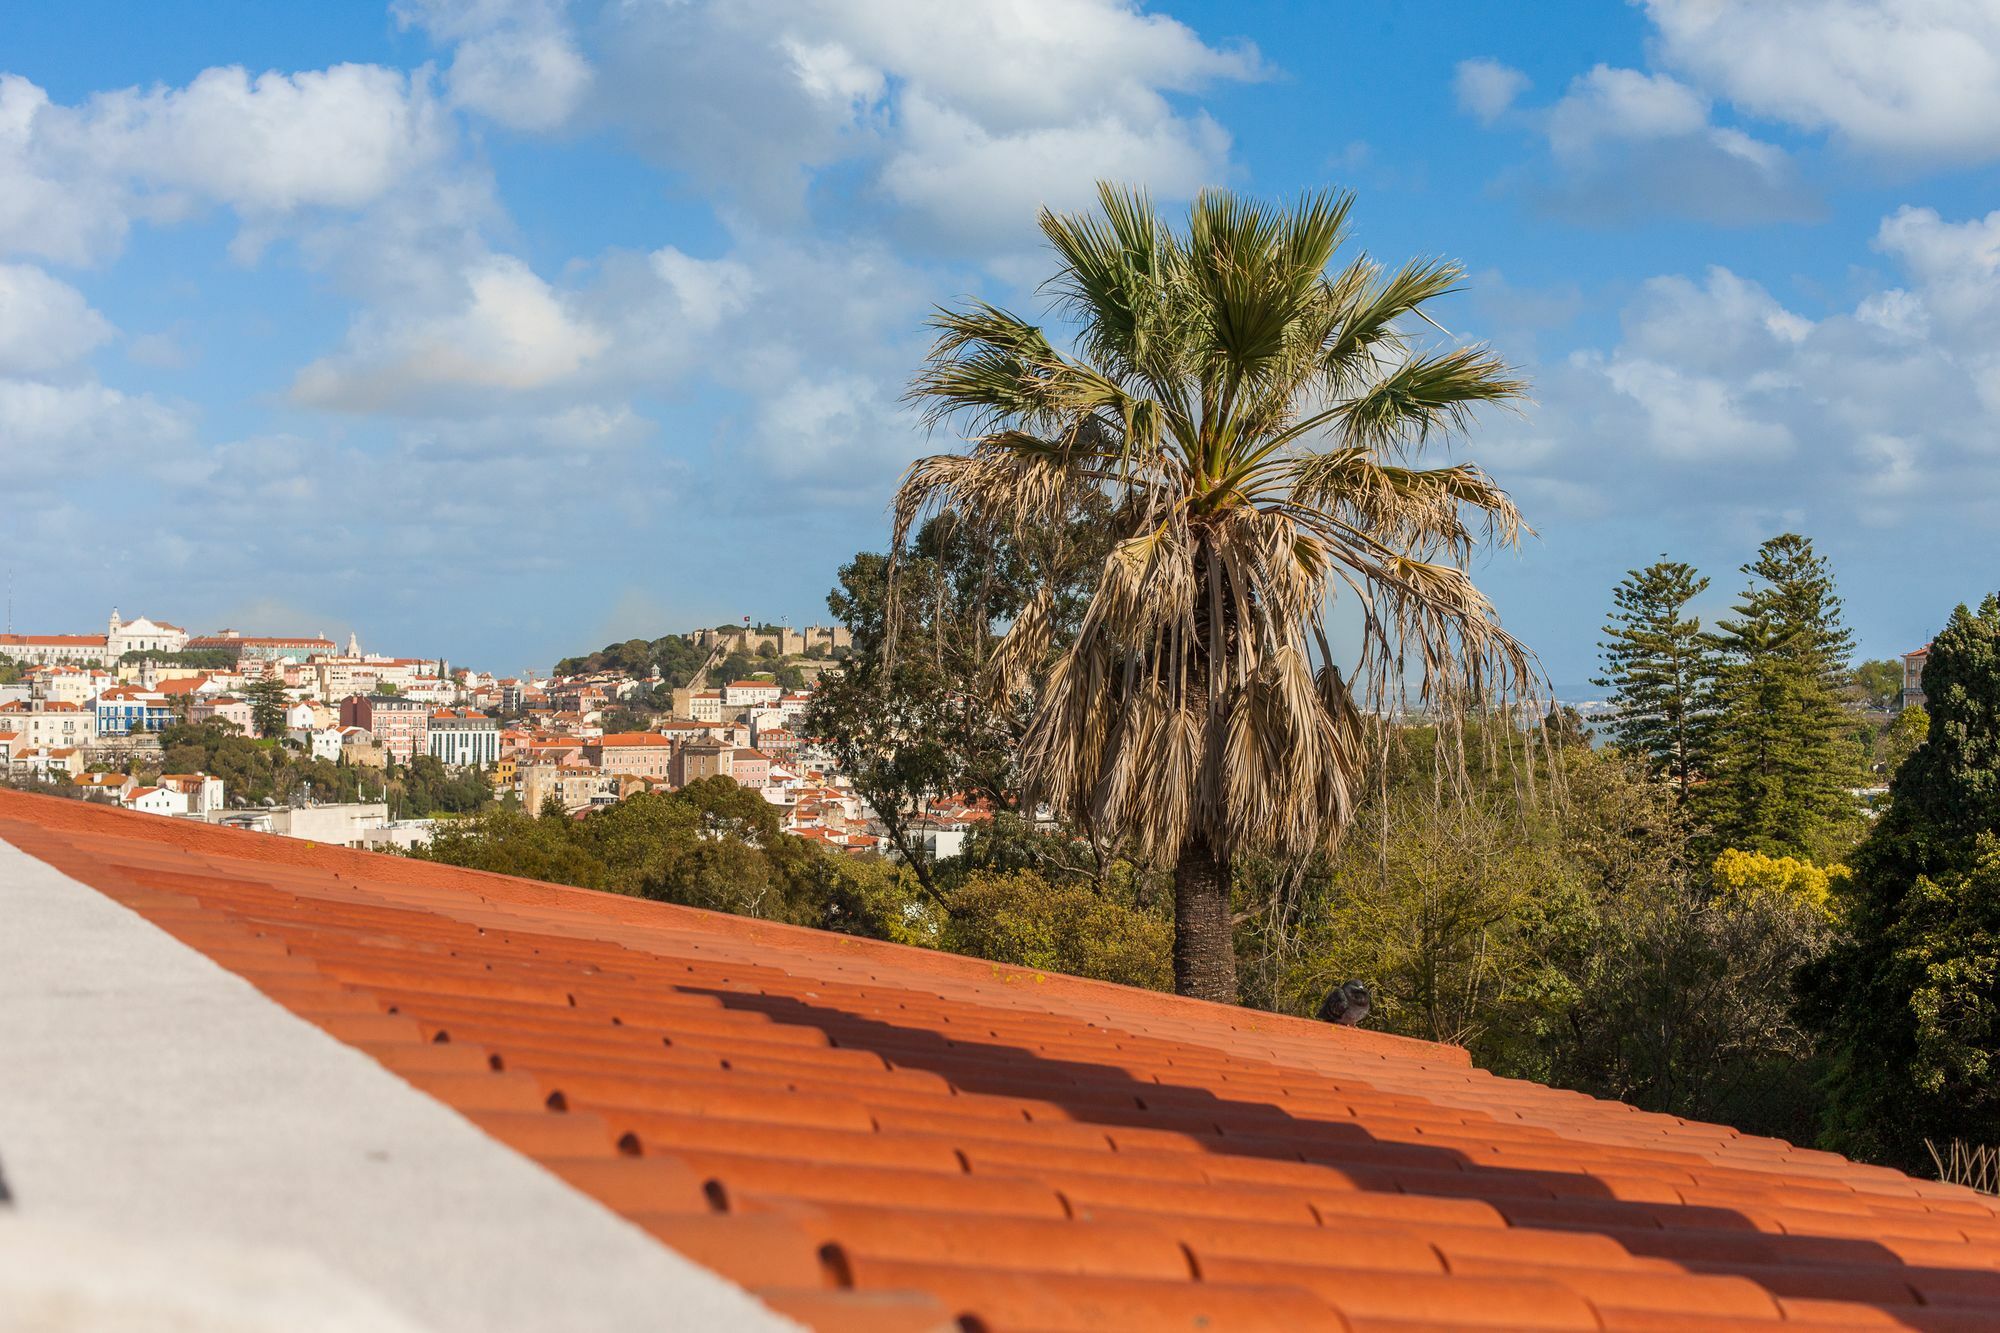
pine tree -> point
(267, 705)
(1909, 1008)
(1660, 670)
(1783, 763)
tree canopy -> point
(1910, 1004)
(1661, 671)
(1784, 764)
(1251, 411)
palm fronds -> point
(1254, 415)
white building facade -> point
(464, 739)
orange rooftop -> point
(265, 1084)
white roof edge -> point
(164, 1105)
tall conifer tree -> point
(1908, 1006)
(1660, 670)
(1783, 765)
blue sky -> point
(500, 328)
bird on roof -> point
(1346, 1005)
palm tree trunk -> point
(1204, 947)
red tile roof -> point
(881, 1138)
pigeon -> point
(1346, 1005)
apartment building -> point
(401, 725)
(750, 768)
(230, 708)
(1913, 678)
(698, 705)
(702, 759)
(642, 754)
(739, 694)
(464, 738)
(203, 792)
(44, 725)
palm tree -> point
(1255, 416)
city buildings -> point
(750, 768)
(402, 726)
(750, 694)
(125, 709)
(696, 760)
(573, 785)
(645, 754)
(53, 649)
(1913, 678)
(464, 738)
(157, 800)
(248, 648)
(69, 684)
(228, 708)
(204, 793)
(41, 724)
(698, 705)
(141, 636)
(79, 706)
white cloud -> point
(509, 331)
(819, 430)
(1717, 391)
(1955, 267)
(1626, 145)
(334, 138)
(516, 62)
(1889, 76)
(1693, 417)
(1610, 105)
(1724, 324)
(50, 432)
(59, 209)
(985, 188)
(45, 324)
(952, 104)
(72, 179)
(705, 291)
(1487, 89)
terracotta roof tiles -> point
(873, 1137)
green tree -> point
(712, 844)
(268, 703)
(1661, 671)
(207, 659)
(1574, 942)
(1908, 1006)
(738, 665)
(1901, 739)
(905, 730)
(1783, 764)
(1254, 417)
(902, 716)
(1879, 683)
(1060, 926)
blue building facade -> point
(121, 714)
